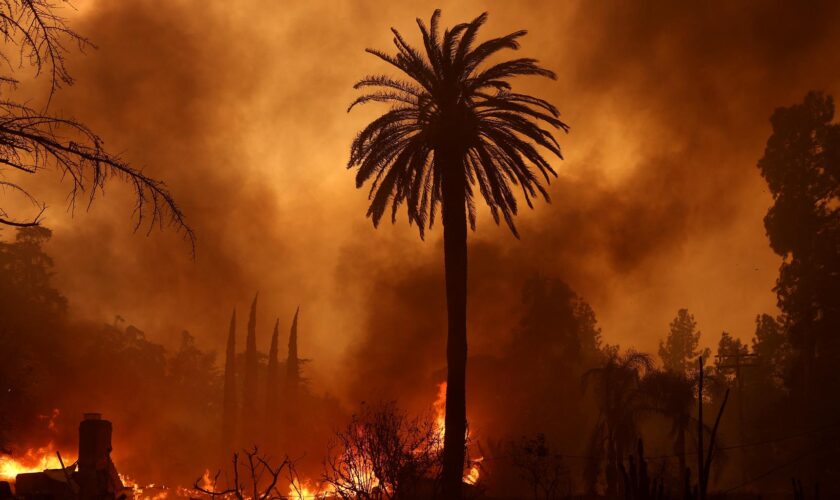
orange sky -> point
(241, 108)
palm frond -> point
(500, 134)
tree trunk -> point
(455, 262)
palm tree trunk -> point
(455, 262)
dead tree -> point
(34, 140)
(253, 478)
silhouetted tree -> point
(454, 128)
(189, 366)
(293, 362)
(682, 346)
(771, 347)
(671, 394)
(557, 319)
(292, 390)
(230, 406)
(728, 346)
(26, 272)
(616, 385)
(32, 311)
(801, 165)
(34, 140)
(249, 379)
(272, 387)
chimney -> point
(94, 444)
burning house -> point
(92, 476)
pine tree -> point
(249, 382)
(229, 404)
(680, 350)
(728, 346)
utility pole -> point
(736, 362)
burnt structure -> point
(92, 477)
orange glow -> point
(471, 476)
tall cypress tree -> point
(272, 386)
(249, 382)
(291, 389)
(293, 362)
(229, 405)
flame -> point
(440, 412)
(303, 491)
(32, 460)
(207, 482)
(153, 491)
(471, 476)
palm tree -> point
(671, 394)
(453, 126)
(616, 384)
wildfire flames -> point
(32, 460)
(471, 477)
(42, 458)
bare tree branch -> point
(255, 488)
(31, 141)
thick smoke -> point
(241, 110)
